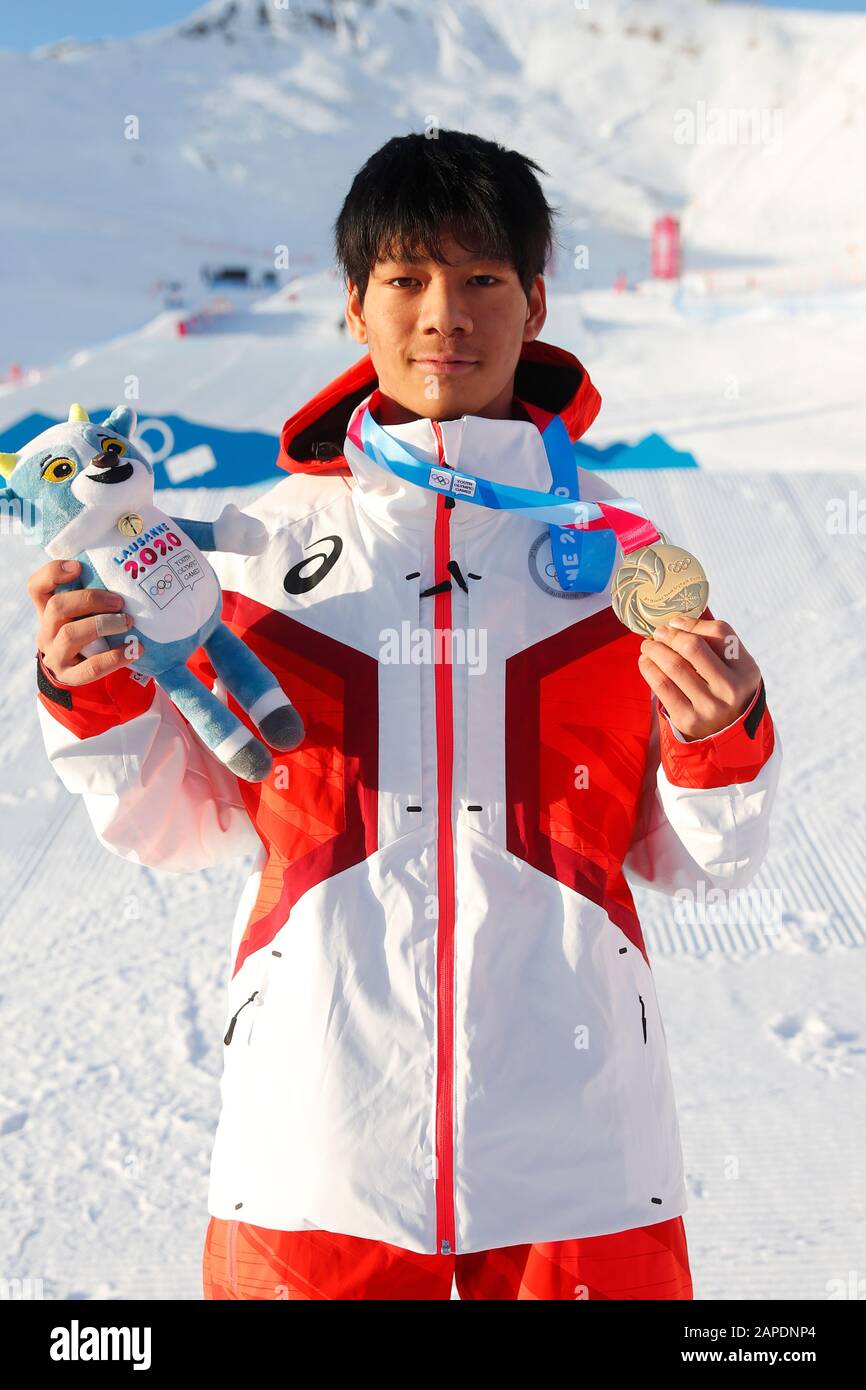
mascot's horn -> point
(7, 463)
(77, 412)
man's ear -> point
(123, 419)
(536, 309)
(355, 313)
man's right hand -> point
(70, 620)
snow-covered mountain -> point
(130, 162)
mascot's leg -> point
(220, 730)
(255, 689)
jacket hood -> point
(547, 377)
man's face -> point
(445, 339)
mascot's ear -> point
(77, 413)
(123, 419)
(8, 495)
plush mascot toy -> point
(88, 492)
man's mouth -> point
(445, 365)
(118, 474)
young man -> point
(443, 1050)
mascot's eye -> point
(113, 446)
(59, 470)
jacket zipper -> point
(234, 1018)
(445, 1222)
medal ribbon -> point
(583, 535)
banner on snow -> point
(188, 453)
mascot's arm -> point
(233, 531)
(199, 532)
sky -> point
(25, 26)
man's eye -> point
(494, 278)
(403, 280)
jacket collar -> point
(549, 380)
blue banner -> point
(189, 453)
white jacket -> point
(444, 1027)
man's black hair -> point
(415, 189)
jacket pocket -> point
(241, 1024)
(230, 1031)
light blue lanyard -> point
(583, 559)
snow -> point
(112, 996)
(153, 154)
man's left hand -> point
(701, 673)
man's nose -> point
(445, 312)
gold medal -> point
(656, 581)
(130, 524)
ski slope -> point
(113, 978)
(114, 974)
